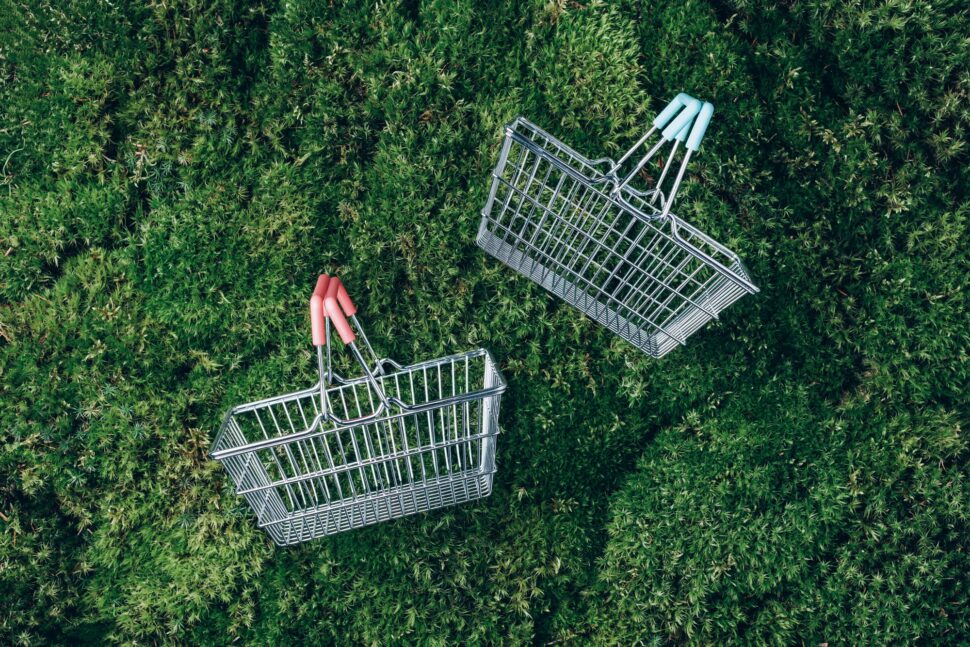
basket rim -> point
(466, 475)
(742, 276)
(314, 430)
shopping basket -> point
(347, 453)
(579, 228)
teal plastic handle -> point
(691, 108)
(665, 115)
(668, 113)
(682, 135)
(685, 99)
(700, 127)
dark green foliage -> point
(173, 176)
(769, 521)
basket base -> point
(378, 507)
(654, 343)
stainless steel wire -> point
(344, 454)
(577, 228)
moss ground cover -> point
(174, 174)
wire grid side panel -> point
(569, 237)
(444, 463)
(564, 233)
(490, 411)
(249, 476)
(359, 463)
(392, 505)
(720, 295)
(552, 147)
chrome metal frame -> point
(578, 228)
(347, 453)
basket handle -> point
(687, 108)
(701, 118)
(693, 143)
(338, 307)
(317, 314)
(700, 127)
(664, 116)
(673, 122)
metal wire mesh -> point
(552, 217)
(305, 476)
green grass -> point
(174, 175)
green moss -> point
(174, 175)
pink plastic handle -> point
(337, 315)
(317, 313)
(345, 303)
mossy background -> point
(174, 175)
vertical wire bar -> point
(643, 296)
(289, 456)
(313, 447)
(530, 218)
(252, 469)
(367, 432)
(417, 432)
(641, 275)
(325, 443)
(404, 439)
(364, 485)
(343, 451)
(282, 472)
(381, 440)
(547, 225)
(561, 221)
(308, 466)
(518, 168)
(431, 430)
(679, 290)
(384, 427)
(454, 416)
(524, 191)
(444, 427)
(467, 414)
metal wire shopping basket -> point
(347, 453)
(578, 228)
